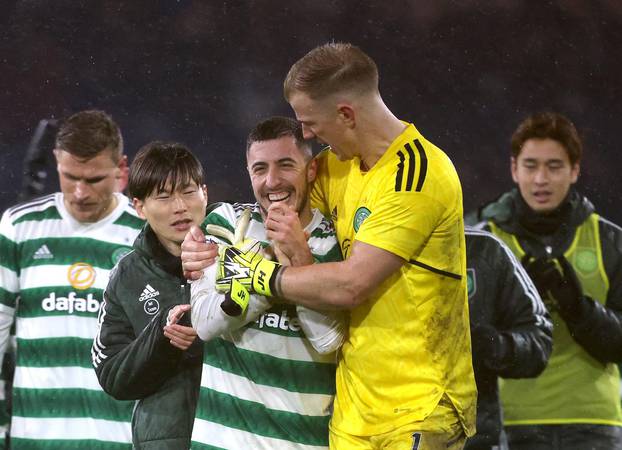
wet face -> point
(88, 185)
(279, 172)
(171, 213)
(544, 174)
(321, 120)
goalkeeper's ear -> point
(311, 170)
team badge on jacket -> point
(471, 286)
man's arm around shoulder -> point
(340, 285)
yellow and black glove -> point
(247, 267)
(242, 267)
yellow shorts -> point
(441, 430)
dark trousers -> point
(487, 443)
(564, 437)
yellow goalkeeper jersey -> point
(409, 344)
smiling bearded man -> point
(269, 371)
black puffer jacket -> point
(505, 310)
(132, 357)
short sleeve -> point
(399, 222)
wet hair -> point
(548, 125)
(157, 163)
(331, 68)
(88, 133)
(276, 127)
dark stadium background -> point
(203, 72)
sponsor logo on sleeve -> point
(279, 320)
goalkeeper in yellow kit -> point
(404, 378)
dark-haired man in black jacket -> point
(137, 355)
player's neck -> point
(114, 202)
(105, 212)
(379, 132)
(305, 215)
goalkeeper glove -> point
(236, 300)
(247, 267)
(233, 277)
(236, 296)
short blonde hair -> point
(331, 68)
